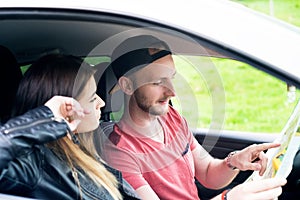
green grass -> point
(254, 100)
(286, 10)
(262, 105)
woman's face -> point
(91, 102)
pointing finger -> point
(266, 146)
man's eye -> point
(157, 83)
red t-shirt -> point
(167, 167)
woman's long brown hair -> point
(66, 76)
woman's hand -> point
(67, 108)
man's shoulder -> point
(121, 136)
(114, 136)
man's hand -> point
(252, 157)
(259, 190)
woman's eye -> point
(94, 99)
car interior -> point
(27, 34)
(9, 80)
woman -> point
(62, 168)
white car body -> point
(246, 31)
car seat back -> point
(107, 79)
(101, 135)
(10, 76)
(113, 103)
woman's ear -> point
(126, 85)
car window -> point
(97, 59)
(217, 88)
(24, 68)
(243, 99)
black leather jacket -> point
(28, 168)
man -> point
(152, 144)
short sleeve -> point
(125, 162)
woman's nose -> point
(100, 102)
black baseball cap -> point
(135, 53)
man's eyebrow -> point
(173, 75)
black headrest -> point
(10, 76)
(107, 79)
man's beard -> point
(146, 106)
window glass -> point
(25, 68)
(96, 60)
(253, 100)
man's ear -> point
(126, 85)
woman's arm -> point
(37, 126)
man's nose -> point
(170, 91)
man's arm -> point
(215, 173)
(146, 193)
(210, 172)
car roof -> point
(232, 25)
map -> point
(280, 160)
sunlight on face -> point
(154, 86)
(91, 102)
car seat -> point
(10, 77)
(113, 102)
(106, 80)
